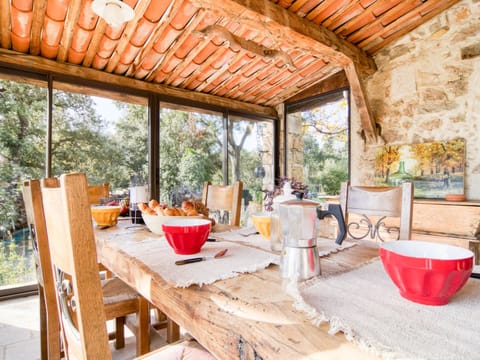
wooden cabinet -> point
(456, 223)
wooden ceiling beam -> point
(5, 24)
(17, 59)
(290, 28)
(284, 27)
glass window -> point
(104, 138)
(250, 159)
(191, 143)
(23, 119)
(318, 143)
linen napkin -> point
(248, 236)
(155, 253)
(366, 306)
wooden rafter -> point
(34, 62)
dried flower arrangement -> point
(297, 186)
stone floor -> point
(20, 332)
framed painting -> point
(436, 168)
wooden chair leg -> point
(43, 324)
(173, 331)
(143, 327)
(120, 332)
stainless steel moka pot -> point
(299, 221)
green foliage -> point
(332, 177)
(15, 268)
(190, 152)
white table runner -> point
(367, 307)
(157, 254)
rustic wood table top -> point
(246, 317)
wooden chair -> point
(119, 299)
(74, 264)
(382, 213)
(50, 345)
(98, 192)
(221, 197)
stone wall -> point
(427, 88)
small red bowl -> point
(186, 236)
(426, 273)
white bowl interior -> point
(185, 222)
(422, 249)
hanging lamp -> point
(114, 12)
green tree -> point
(80, 140)
(189, 152)
(22, 147)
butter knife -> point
(203, 258)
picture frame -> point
(436, 168)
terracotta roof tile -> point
(194, 84)
(81, 39)
(87, 19)
(142, 32)
(307, 7)
(57, 9)
(121, 69)
(160, 76)
(185, 48)
(21, 22)
(19, 43)
(151, 59)
(189, 69)
(166, 40)
(75, 57)
(171, 64)
(205, 73)
(224, 56)
(53, 30)
(384, 6)
(99, 62)
(183, 16)
(115, 33)
(155, 10)
(48, 51)
(141, 73)
(236, 65)
(205, 53)
(23, 5)
(129, 54)
(107, 46)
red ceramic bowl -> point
(186, 236)
(426, 273)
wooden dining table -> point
(249, 316)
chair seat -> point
(182, 350)
(115, 291)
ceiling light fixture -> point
(114, 12)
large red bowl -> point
(186, 236)
(426, 273)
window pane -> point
(250, 159)
(106, 139)
(190, 152)
(22, 156)
(317, 143)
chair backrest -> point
(74, 260)
(98, 192)
(391, 209)
(221, 197)
(32, 197)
